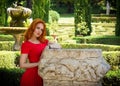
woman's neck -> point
(34, 40)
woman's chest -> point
(36, 50)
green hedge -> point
(104, 19)
(8, 59)
(6, 45)
(110, 40)
(10, 73)
(113, 58)
(93, 46)
(103, 15)
(10, 77)
(6, 37)
(53, 16)
(112, 78)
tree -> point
(82, 17)
(117, 29)
(40, 9)
(4, 4)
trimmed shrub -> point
(8, 59)
(6, 37)
(89, 46)
(9, 69)
(104, 19)
(10, 77)
(112, 78)
(6, 45)
(110, 40)
(113, 58)
(103, 15)
(82, 13)
(53, 16)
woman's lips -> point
(38, 34)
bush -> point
(6, 45)
(6, 37)
(10, 77)
(82, 29)
(113, 58)
(89, 46)
(112, 78)
(110, 40)
(103, 15)
(53, 16)
(8, 59)
(104, 19)
(10, 73)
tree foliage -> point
(40, 9)
(117, 29)
(82, 14)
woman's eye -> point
(37, 28)
(41, 29)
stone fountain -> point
(19, 15)
(17, 27)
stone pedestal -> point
(17, 33)
(72, 67)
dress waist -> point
(33, 68)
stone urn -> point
(19, 15)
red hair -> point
(30, 30)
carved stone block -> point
(72, 67)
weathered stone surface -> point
(72, 67)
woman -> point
(31, 50)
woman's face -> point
(38, 30)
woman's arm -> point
(24, 64)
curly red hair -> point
(30, 30)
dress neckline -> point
(33, 43)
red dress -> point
(30, 77)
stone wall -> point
(72, 67)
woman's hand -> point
(54, 45)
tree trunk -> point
(107, 7)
